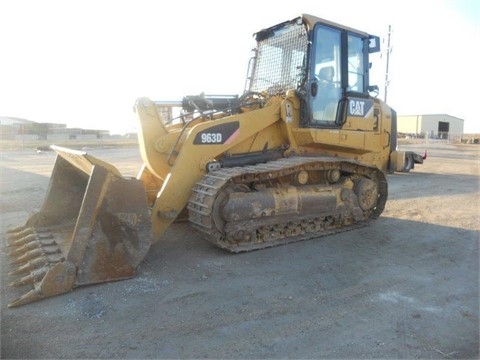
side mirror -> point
(374, 89)
(373, 44)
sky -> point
(84, 63)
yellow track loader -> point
(302, 153)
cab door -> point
(338, 74)
(325, 76)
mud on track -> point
(406, 286)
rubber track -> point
(205, 192)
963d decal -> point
(218, 134)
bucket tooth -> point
(31, 279)
(26, 280)
(20, 241)
(31, 296)
(19, 234)
(32, 254)
(15, 229)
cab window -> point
(325, 76)
(356, 64)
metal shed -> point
(439, 126)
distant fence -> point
(54, 137)
(449, 138)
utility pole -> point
(388, 58)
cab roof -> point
(311, 20)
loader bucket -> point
(94, 226)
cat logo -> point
(359, 107)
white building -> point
(21, 129)
(439, 126)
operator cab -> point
(338, 69)
(325, 63)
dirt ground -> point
(407, 286)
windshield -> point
(280, 61)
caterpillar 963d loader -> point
(302, 153)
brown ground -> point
(406, 286)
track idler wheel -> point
(367, 193)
